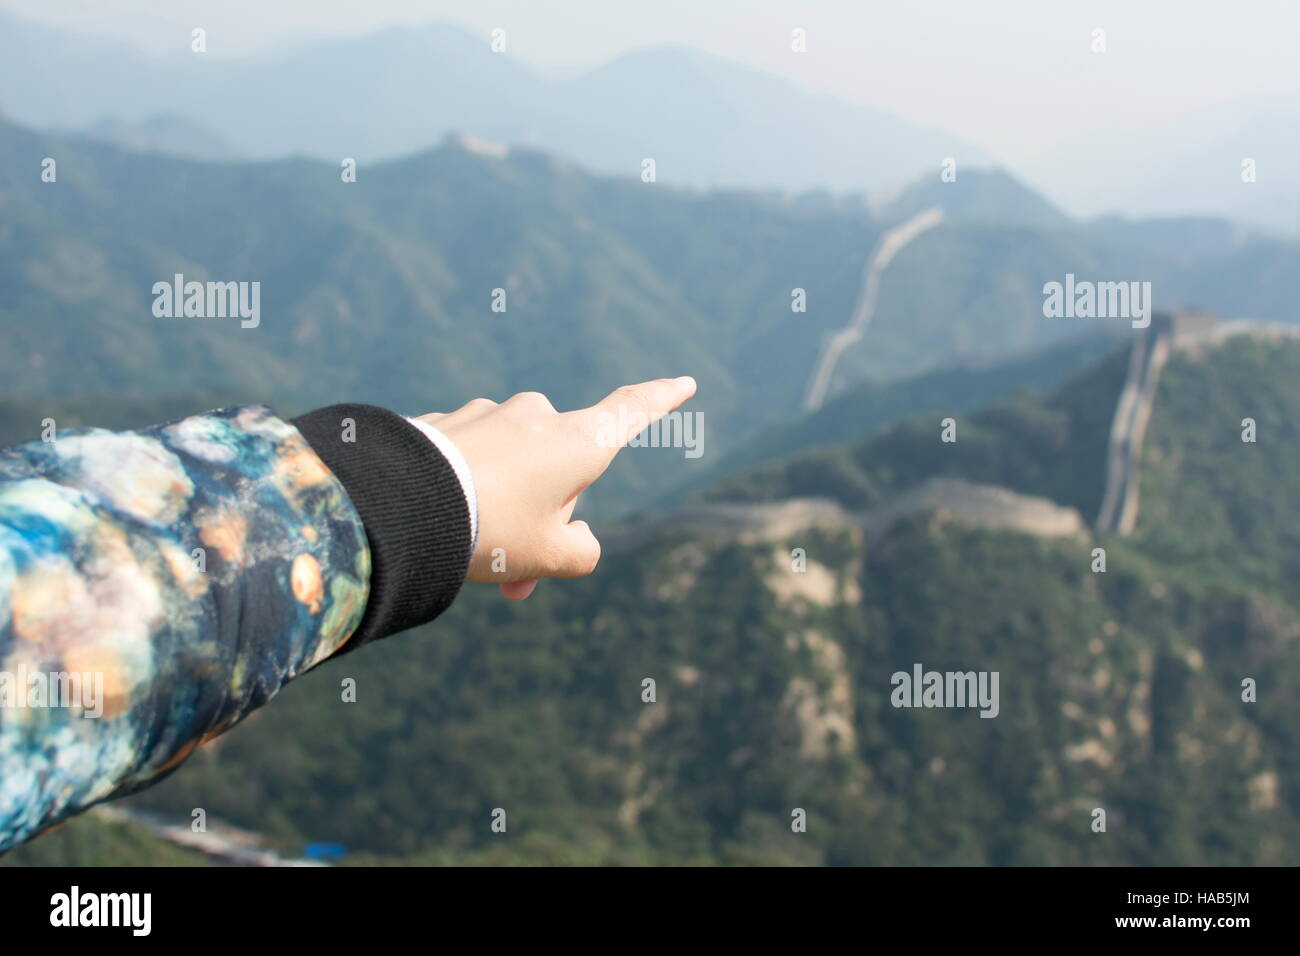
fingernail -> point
(686, 381)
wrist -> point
(461, 467)
(412, 505)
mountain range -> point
(706, 121)
(382, 289)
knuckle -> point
(532, 400)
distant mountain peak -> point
(987, 194)
(474, 144)
(170, 134)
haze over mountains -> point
(705, 121)
(1191, 166)
(708, 122)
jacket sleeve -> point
(157, 586)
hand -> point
(529, 464)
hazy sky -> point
(1016, 77)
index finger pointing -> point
(631, 409)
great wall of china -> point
(988, 506)
(1186, 331)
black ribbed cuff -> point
(413, 508)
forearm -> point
(192, 570)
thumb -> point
(577, 551)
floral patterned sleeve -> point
(172, 579)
